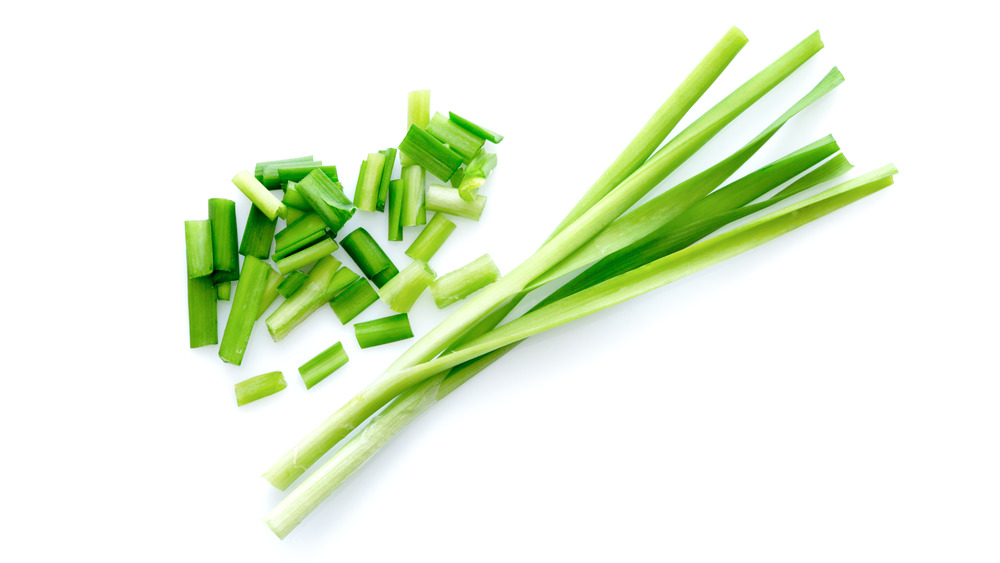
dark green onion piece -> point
(225, 246)
(258, 387)
(258, 234)
(327, 362)
(456, 180)
(402, 291)
(274, 279)
(316, 291)
(291, 284)
(395, 210)
(294, 200)
(463, 282)
(475, 174)
(298, 235)
(198, 243)
(383, 188)
(446, 200)
(418, 112)
(306, 256)
(366, 253)
(304, 243)
(258, 170)
(384, 276)
(353, 300)
(327, 199)
(203, 316)
(278, 174)
(430, 239)
(481, 132)
(430, 153)
(224, 291)
(414, 196)
(383, 331)
(246, 305)
(366, 193)
(457, 138)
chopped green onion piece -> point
(340, 282)
(476, 130)
(431, 238)
(259, 195)
(224, 290)
(294, 200)
(396, 189)
(463, 282)
(291, 284)
(258, 170)
(274, 279)
(203, 315)
(293, 215)
(306, 256)
(198, 243)
(384, 276)
(383, 331)
(317, 290)
(402, 291)
(258, 387)
(277, 174)
(369, 179)
(366, 253)
(475, 174)
(300, 245)
(258, 234)
(327, 199)
(457, 138)
(225, 254)
(418, 112)
(414, 197)
(456, 180)
(353, 300)
(443, 199)
(246, 305)
(383, 187)
(430, 153)
(327, 362)
(291, 237)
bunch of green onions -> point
(624, 252)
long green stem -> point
(246, 304)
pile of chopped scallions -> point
(617, 249)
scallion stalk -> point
(306, 256)
(198, 243)
(476, 130)
(317, 290)
(395, 214)
(259, 195)
(258, 170)
(418, 112)
(463, 282)
(383, 331)
(327, 362)
(291, 284)
(274, 279)
(258, 387)
(353, 300)
(298, 235)
(277, 174)
(203, 315)
(369, 180)
(258, 234)
(430, 239)
(368, 255)
(225, 246)
(443, 199)
(475, 174)
(294, 200)
(383, 187)
(402, 291)
(246, 305)
(430, 153)
(458, 139)
(327, 199)
(292, 214)
(414, 196)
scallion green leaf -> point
(463, 282)
(400, 292)
(353, 300)
(383, 188)
(476, 130)
(418, 112)
(443, 199)
(327, 362)
(258, 387)
(369, 180)
(203, 323)
(306, 256)
(258, 170)
(198, 243)
(259, 195)
(414, 196)
(430, 239)
(317, 290)
(430, 153)
(458, 139)
(383, 331)
(368, 255)
(274, 279)
(327, 199)
(258, 234)
(225, 255)
(291, 284)
(246, 305)
(395, 214)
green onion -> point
(327, 362)
(298, 235)
(203, 323)
(294, 200)
(396, 189)
(369, 179)
(456, 180)
(327, 199)
(225, 255)
(384, 276)
(258, 234)
(198, 242)
(293, 215)
(431, 238)
(476, 130)
(274, 279)
(413, 212)
(258, 387)
(443, 199)
(354, 300)
(430, 153)
(258, 170)
(383, 187)
(463, 282)
(402, 291)
(306, 256)
(383, 331)
(223, 290)
(458, 139)
(318, 289)
(368, 255)
(259, 195)
(246, 305)
(276, 174)
(418, 112)
(291, 284)
(475, 174)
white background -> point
(831, 396)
